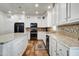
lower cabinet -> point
(42, 36)
(58, 49)
(53, 47)
(15, 47)
(20, 46)
(62, 50)
(28, 35)
(7, 49)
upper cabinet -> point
(54, 14)
(49, 14)
(73, 12)
(64, 13)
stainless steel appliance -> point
(33, 32)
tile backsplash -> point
(71, 30)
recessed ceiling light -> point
(36, 5)
(49, 7)
(9, 12)
(36, 12)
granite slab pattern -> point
(68, 41)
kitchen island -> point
(13, 44)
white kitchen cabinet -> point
(62, 50)
(74, 51)
(63, 13)
(55, 15)
(36, 19)
(28, 35)
(1, 23)
(53, 47)
(59, 14)
(50, 50)
(14, 47)
(59, 47)
(7, 49)
(20, 45)
(73, 12)
(42, 36)
(68, 13)
(49, 18)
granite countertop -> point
(9, 37)
(68, 41)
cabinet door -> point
(53, 47)
(1, 23)
(62, 13)
(8, 49)
(55, 15)
(62, 50)
(28, 35)
(19, 46)
(42, 36)
(74, 12)
(50, 46)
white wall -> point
(5, 24)
(34, 19)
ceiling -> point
(29, 8)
